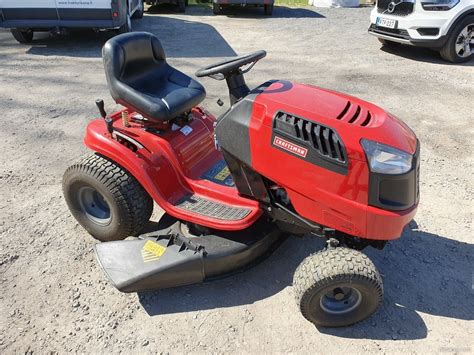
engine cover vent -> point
(355, 114)
(324, 140)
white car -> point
(24, 17)
(443, 25)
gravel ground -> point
(55, 298)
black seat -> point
(140, 78)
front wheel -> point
(106, 199)
(337, 287)
(459, 47)
(22, 36)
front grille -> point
(400, 7)
(323, 139)
(393, 32)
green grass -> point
(292, 3)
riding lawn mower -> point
(284, 159)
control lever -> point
(100, 106)
(108, 121)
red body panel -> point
(320, 195)
(171, 165)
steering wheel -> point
(220, 70)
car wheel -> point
(22, 36)
(181, 6)
(139, 12)
(127, 26)
(337, 287)
(459, 47)
(268, 9)
(106, 199)
(216, 8)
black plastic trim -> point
(248, 182)
(396, 192)
(232, 128)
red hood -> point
(352, 118)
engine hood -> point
(352, 118)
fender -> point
(149, 164)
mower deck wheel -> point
(106, 199)
(337, 287)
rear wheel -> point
(127, 26)
(459, 47)
(105, 199)
(337, 287)
(22, 36)
(216, 9)
(140, 11)
(268, 9)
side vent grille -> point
(323, 139)
(355, 114)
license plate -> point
(386, 22)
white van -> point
(24, 17)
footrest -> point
(202, 206)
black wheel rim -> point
(340, 300)
(94, 206)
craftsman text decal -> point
(290, 147)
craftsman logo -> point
(290, 147)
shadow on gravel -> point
(278, 12)
(79, 44)
(419, 54)
(423, 272)
(238, 11)
(180, 38)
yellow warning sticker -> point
(223, 174)
(152, 251)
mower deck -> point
(174, 257)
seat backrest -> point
(131, 57)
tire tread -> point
(126, 190)
(330, 265)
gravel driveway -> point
(53, 295)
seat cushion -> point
(140, 78)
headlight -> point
(438, 5)
(385, 159)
